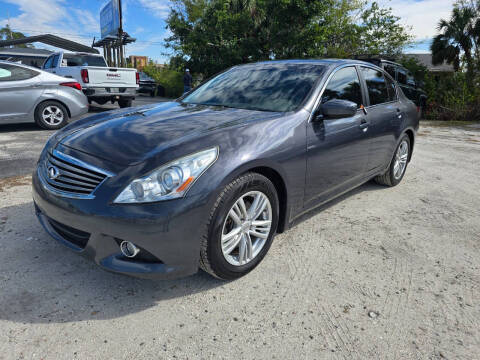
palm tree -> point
(458, 36)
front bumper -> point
(168, 232)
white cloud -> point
(422, 15)
(160, 8)
(56, 17)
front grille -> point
(74, 236)
(71, 176)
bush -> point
(450, 97)
(171, 80)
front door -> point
(337, 149)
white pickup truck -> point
(100, 83)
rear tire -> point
(123, 103)
(51, 115)
(251, 231)
(398, 164)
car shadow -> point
(43, 282)
(368, 186)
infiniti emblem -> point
(53, 172)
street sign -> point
(110, 19)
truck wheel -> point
(125, 103)
(51, 115)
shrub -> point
(171, 80)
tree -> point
(6, 33)
(459, 38)
(211, 35)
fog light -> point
(128, 249)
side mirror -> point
(337, 108)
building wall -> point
(138, 62)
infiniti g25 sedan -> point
(206, 181)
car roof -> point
(324, 62)
(19, 64)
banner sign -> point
(110, 19)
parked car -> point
(207, 180)
(147, 85)
(410, 87)
(28, 94)
(100, 83)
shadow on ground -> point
(43, 282)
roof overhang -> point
(53, 41)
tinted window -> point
(55, 61)
(344, 85)
(48, 63)
(402, 76)
(390, 69)
(83, 60)
(391, 87)
(15, 73)
(376, 86)
(268, 87)
(410, 79)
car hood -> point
(132, 136)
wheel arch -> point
(411, 136)
(279, 183)
(52, 100)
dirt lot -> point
(387, 273)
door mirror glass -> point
(338, 108)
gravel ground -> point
(387, 273)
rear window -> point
(83, 60)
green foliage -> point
(211, 35)
(450, 97)
(171, 80)
(457, 96)
(418, 70)
(7, 34)
(458, 42)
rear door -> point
(383, 114)
(337, 149)
(19, 90)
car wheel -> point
(51, 115)
(152, 93)
(241, 227)
(398, 165)
(123, 103)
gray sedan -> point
(28, 94)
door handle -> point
(364, 125)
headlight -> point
(169, 181)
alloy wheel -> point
(246, 228)
(52, 115)
(401, 158)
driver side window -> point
(344, 85)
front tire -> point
(51, 115)
(241, 227)
(398, 165)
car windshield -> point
(83, 60)
(265, 87)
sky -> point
(79, 20)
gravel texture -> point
(387, 273)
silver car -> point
(28, 94)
